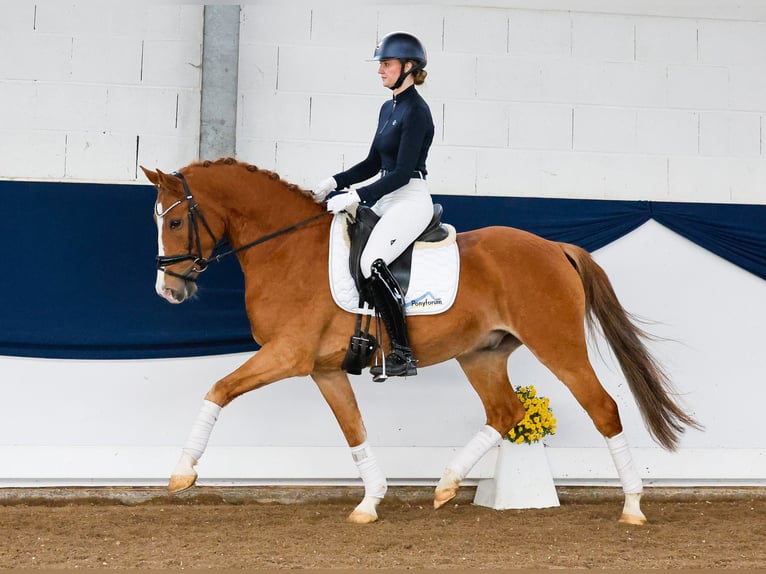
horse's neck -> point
(258, 206)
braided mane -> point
(252, 168)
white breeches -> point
(404, 214)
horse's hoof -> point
(446, 490)
(632, 519)
(359, 517)
(442, 497)
(179, 483)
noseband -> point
(194, 217)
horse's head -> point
(184, 236)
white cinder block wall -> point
(88, 91)
(659, 103)
(530, 102)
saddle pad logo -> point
(433, 284)
(425, 300)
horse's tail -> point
(650, 385)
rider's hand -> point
(324, 187)
(342, 201)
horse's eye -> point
(175, 224)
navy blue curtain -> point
(78, 275)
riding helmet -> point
(401, 46)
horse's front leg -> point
(337, 391)
(271, 363)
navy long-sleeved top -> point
(400, 147)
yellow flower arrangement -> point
(538, 420)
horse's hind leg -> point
(487, 370)
(567, 357)
(337, 391)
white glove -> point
(324, 187)
(342, 201)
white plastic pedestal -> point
(522, 479)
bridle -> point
(194, 217)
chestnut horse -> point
(514, 289)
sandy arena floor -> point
(248, 528)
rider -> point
(400, 197)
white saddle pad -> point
(433, 283)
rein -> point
(201, 263)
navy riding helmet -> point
(401, 46)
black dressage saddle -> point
(359, 229)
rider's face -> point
(389, 71)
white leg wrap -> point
(476, 448)
(374, 481)
(623, 461)
(200, 433)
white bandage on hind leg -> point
(201, 429)
(476, 448)
(623, 461)
(372, 477)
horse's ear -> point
(151, 175)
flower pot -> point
(522, 479)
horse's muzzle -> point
(175, 288)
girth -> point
(359, 230)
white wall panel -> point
(258, 66)
(477, 124)
(736, 134)
(533, 33)
(672, 132)
(66, 107)
(475, 31)
(508, 78)
(453, 76)
(603, 38)
(604, 129)
(713, 179)
(539, 126)
(17, 16)
(336, 118)
(731, 42)
(107, 60)
(443, 176)
(666, 40)
(101, 156)
(17, 104)
(30, 56)
(355, 24)
(697, 87)
(321, 69)
(620, 84)
(747, 87)
(270, 115)
(18, 161)
(172, 63)
(273, 23)
(154, 110)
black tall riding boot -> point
(389, 302)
